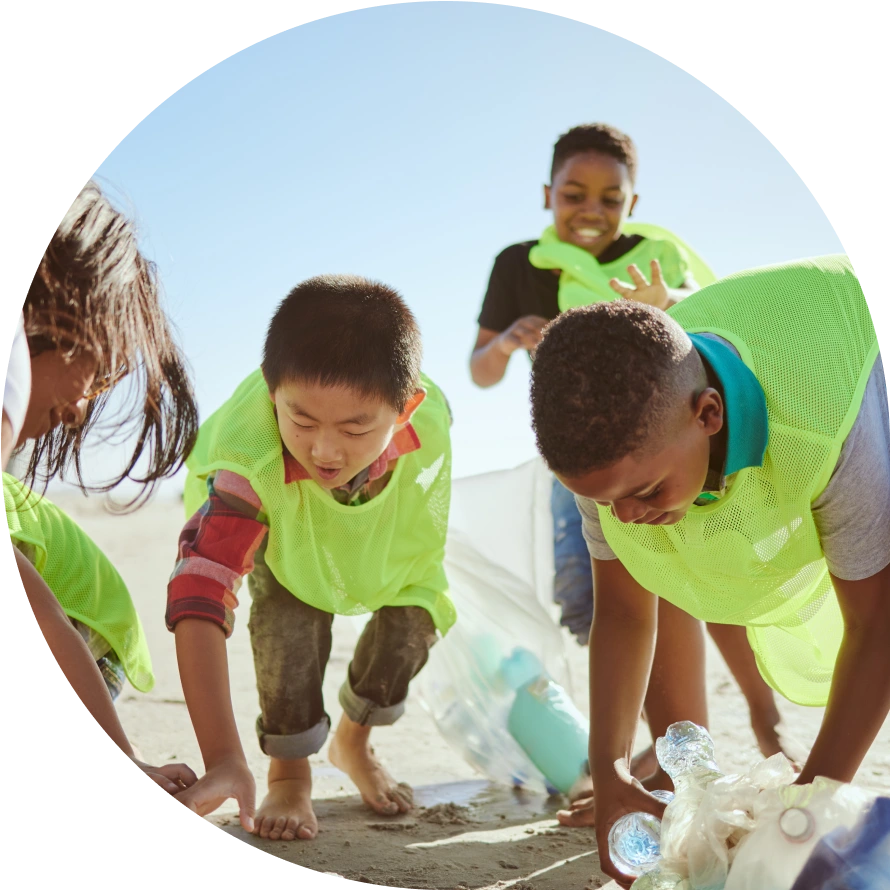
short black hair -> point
(595, 137)
(605, 379)
(344, 330)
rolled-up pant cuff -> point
(297, 745)
(365, 712)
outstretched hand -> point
(231, 778)
(654, 293)
(524, 333)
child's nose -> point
(324, 448)
(628, 510)
(75, 413)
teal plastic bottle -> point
(545, 722)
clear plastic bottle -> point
(685, 753)
(635, 840)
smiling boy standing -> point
(592, 253)
(326, 478)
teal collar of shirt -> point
(747, 425)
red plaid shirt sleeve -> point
(216, 550)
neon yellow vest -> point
(341, 559)
(584, 280)
(84, 582)
(753, 557)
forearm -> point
(622, 643)
(859, 700)
(488, 364)
(856, 709)
(71, 653)
(620, 660)
(204, 672)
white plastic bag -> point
(790, 821)
(499, 562)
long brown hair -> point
(94, 291)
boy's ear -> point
(547, 198)
(412, 405)
(710, 411)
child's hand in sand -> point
(228, 778)
(652, 294)
(172, 777)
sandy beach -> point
(465, 832)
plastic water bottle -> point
(635, 840)
(685, 753)
(545, 722)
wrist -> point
(505, 348)
(231, 757)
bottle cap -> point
(797, 824)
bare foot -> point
(286, 813)
(641, 767)
(581, 814)
(351, 752)
(773, 737)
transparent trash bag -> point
(708, 818)
(789, 822)
(500, 674)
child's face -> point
(58, 388)
(658, 486)
(591, 195)
(334, 432)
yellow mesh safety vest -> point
(753, 557)
(80, 576)
(347, 560)
(584, 280)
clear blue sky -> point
(409, 144)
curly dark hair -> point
(344, 330)
(605, 380)
(94, 291)
(595, 137)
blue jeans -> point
(573, 578)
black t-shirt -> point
(517, 288)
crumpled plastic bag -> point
(767, 858)
(727, 833)
(727, 815)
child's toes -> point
(307, 831)
(383, 805)
(278, 828)
(289, 832)
(403, 795)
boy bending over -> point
(732, 457)
(325, 477)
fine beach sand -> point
(465, 832)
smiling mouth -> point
(589, 233)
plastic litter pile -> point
(758, 831)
